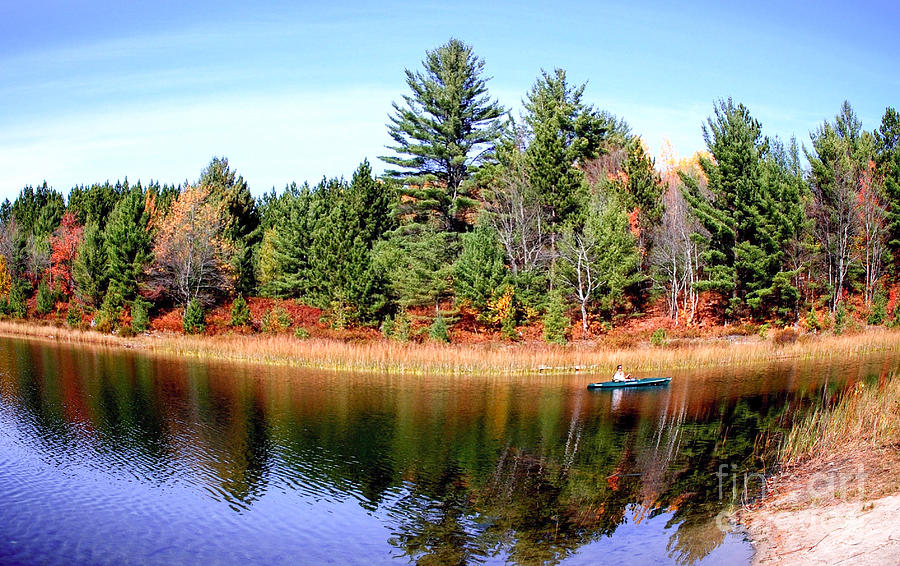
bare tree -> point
(190, 255)
(515, 212)
(872, 230)
(676, 256)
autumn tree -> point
(191, 256)
(241, 218)
(64, 245)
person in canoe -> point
(621, 375)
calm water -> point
(118, 458)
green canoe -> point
(633, 383)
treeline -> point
(512, 219)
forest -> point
(556, 217)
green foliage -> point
(841, 318)
(128, 243)
(301, 333)
(598, 258)
(140, 315)
(878, 314)
(18, 299)
(752, 212)
(45, 299)
(439, 331)
(90, 266)
(241, 226)
(442, 128)
(480, 270)
(109, 316)
(275, 320)
(418, 265)
(73, 316)
(812, 321)
(397, 327)
(556, 320)
(194, 319)
(342, 275)
(240, 312)
(658, 338)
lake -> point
(118, 457)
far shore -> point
(496, 358)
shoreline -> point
(837, 494)
(492, 358)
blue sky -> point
(291, 91)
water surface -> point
(121, 458)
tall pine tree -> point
(444, 129)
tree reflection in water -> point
(459, 470)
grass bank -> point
(384, 355)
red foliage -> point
(63, 248)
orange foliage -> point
(63, 248)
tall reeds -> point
(865, 417)
(492, 358)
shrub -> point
(763, 330)
(73, 316)
(878, 315)
(240, 312)
(276, 320)
(388, 327)
(785, 337)
(658, 338)
(556, 322)
(812, 321)
(840, 319)
(109, 316)
(438, 330)
(301, 333)
(140, 315)
(402, 327)
(194, 320)
(45, 299)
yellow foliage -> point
(5, 279)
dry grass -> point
(864, 419)
(488, 358)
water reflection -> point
(235, 462)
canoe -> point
(633, 383)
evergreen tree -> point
(563, 133)
(284, 253)
(128, 243)
(342, 274)
(240, 312)
(598, 255)
(418, 266)
(242, 218)
(480, 270)
(744, 211)
(887, 157)
(444, 130)
(90, 266)
(194, 320)
(556, 321)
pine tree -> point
(90, 267)
(564, 132)
(556, 321)
(444, 130)
(127, 241)
(241, 218)
(744, 212)
(887, 158)
(480, 270)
